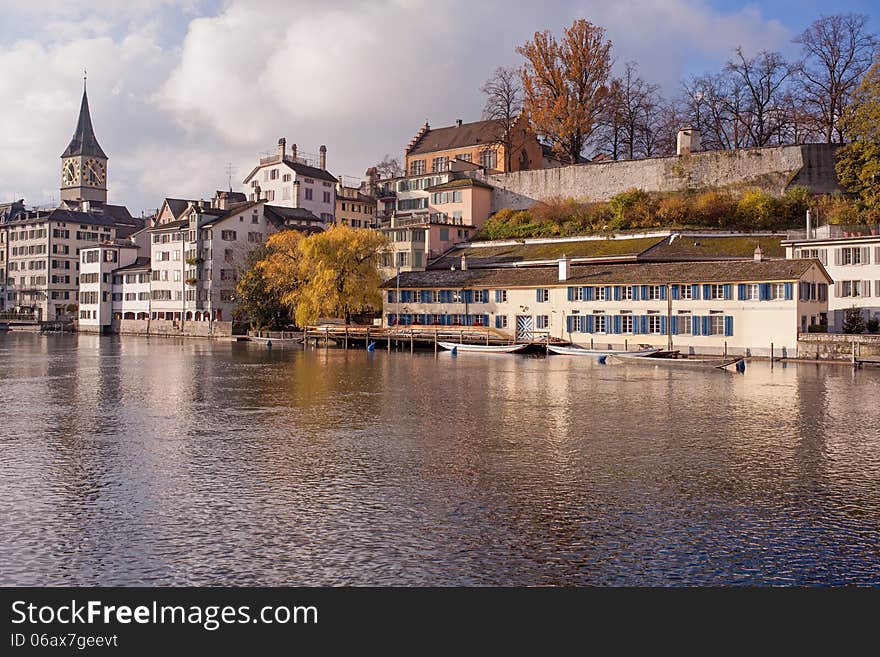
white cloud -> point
(177, 92)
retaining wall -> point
(838, 346)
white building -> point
(853, 261)
(293, 181)
(743, 307)
(97, 266)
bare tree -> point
(763, 78)
(389, 167)
(504, 107)
(636, 96)
(610, 122)
(837, 52)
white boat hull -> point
(596, 353)
(483, 348)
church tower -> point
(83, 163)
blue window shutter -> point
(695, 325)
(467, 295)
(538, 295)
(615, 325)
(727, 291)
(788, 291)
(695, 291)
(390, 319)
(635, 292)
(390, 296)
(588, 294)
(644, 324)
(485, 320)
(591, 324)
(707, 325)
(663, 325)
(675, 293)
(644, 293)
(426, 296)
(568, 320)
(764, 291)
(616, 293)
(728, 326)
(674, 327)
(741, 291)
(497, 321)
(497, 296)
(571, 294)
(707, 291)
(663, 293)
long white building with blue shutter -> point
(736, 306)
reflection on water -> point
(134, 461)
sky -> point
(181, 91)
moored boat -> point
(595, 353)
(709, 363)
(483, 348)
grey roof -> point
(724, 271)
(178, 205)
(457, 136)
(140, 264)
(300, 169)
(283, 213)
(84, 141)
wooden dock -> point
(400, 338)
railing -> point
(17, 317)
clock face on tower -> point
(94, 173)
(69, 173)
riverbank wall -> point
(838, 346)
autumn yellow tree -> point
(858, 163)
(565, 84)
(334, 273)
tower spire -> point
(84, 141)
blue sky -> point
(180, 89)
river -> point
(135, 461)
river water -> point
(134, 461)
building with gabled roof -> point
(293, 180)
(480, 143)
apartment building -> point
(852, 258)
(294, 180)
(354, 207)
(728, 306)
(480, 144)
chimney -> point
(258, 193)
(282, 147)
(563, 268)
(458, 123)
(464, 262)
(809, 225)
(296, 193)
(688, 141)
(293, 152)
(322, 158)
(759, 254)
(85, 206)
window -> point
(717, 291)
(416, 167)
(849, 256)
(577, 294)
(685, 326)
(439, 164)
(626, 323)
(543, 295)
(308, 193)
(599, 294)
(542, 321)
(716, 324)
(778, 290)
(326, 197)
(488, 158)
(626, 293)
(273, 174)
(255, 237)
(90, 256)
(686, 292)
(227, 274)
(464, 157)
(753, 292)
(228, 235)
(444, 234)
(227, 296)
(599, 324)
(500, 296)
(286, 177)
(654, 324)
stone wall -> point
(172, 328)
(770, 169)
(838, 346)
